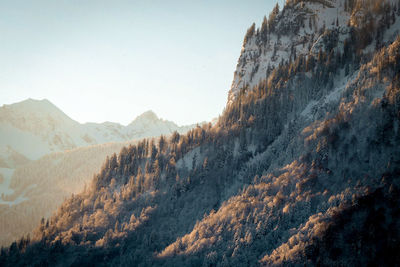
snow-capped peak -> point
(148, 116)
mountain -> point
(36, 189)
(301, 169)
(33, 128)
(149, 125)
(45, 156)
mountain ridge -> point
(40, 122)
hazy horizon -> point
(102, 61)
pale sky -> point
(109, 60)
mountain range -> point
(301, 169)
(33, 128)
(45, 156)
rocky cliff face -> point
(302, 28)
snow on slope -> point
(5, 175)
(333, 97)
(300, 28)
(33, 128)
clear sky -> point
(104, 60)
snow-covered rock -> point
(300, 29)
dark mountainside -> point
(302, 167)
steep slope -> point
(305, 157)
(305, 28)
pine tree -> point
(264, 29)
(347, 69)
(175, 137)
(153, 151)
(161, 144)
(249, 34)
(398, 7)
(272, 18)
(194, 161)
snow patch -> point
(6, 192)
(308, 111)
(5, 182)
(333, 96)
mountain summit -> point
(147, 116)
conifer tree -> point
(264, 29)
(249, 34)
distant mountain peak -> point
(26, 102)
(32, 101)
(43, 100)
(148, 116)
(34, 105)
